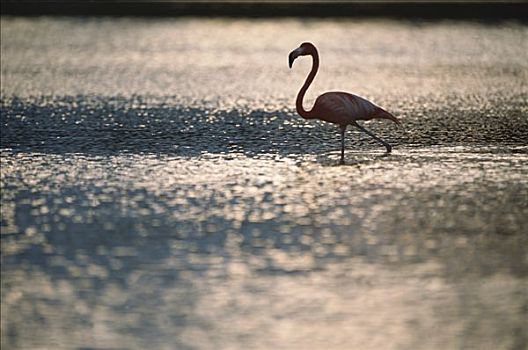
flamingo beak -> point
(293, 55)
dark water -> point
(159, 190)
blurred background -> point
(489, 9)
(159, 190)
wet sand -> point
(159, 190)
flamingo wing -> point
(345, 108)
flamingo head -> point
(303, 50)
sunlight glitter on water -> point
(242, 217)
(238, 188)
(159, 189)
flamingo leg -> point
(343, 130)
(371, 134)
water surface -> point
(159, 190)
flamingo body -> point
(344, 108)
(337, 107)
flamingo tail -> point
(386, 115)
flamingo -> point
(337, 107)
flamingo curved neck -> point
(299, 103)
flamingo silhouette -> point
(340, 108)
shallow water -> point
(159, 190)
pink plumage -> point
(344, 108)
(337, 107)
